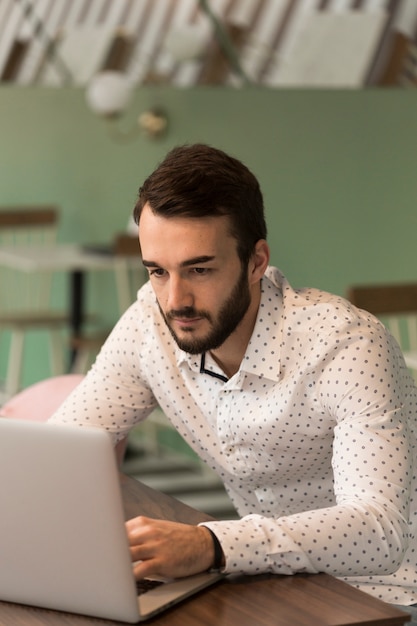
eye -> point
(158, 272)
(201, 271)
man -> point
(300, 402)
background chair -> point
(25, 297)
(128, 278)
(39, 401)
(396, 306)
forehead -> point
(184, 236)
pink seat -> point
(39, 401)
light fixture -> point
(153, 122)
(109, 94)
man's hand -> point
(168, 549)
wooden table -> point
(302, 600)
(76, 260)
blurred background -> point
(317, 97)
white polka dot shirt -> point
(313, 436)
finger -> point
(141, 552)
(136, 529)
(145, 569)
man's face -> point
(202, 290)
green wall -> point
(337, 169)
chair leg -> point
(14, 366)
(86, 350)
(81, 361)
(56, 352)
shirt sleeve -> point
(114, 394)
(365, 385)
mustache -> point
(188, 312)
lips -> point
(186, 321)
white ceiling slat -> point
(75, 10)
(375, 5)
(162, 62)
(74, 49)
(175, 14)
(188, 73)
(10, 33)
(94, 9)
(221, 12)
(261, 40)
(253, 53)
(83, 59)
(134, 16)
(219, 8)
(114, 13)
(54, 30)
(54, 71)
(48, 18)
(27, 27)
(133, 19)
(406, 18)
(312, 65)
(94, 12)
(183, 14)
(243, 11)
(65, 12)
(49, 71)
(5, 7)
(146, 48)
(184, 72)
(301, 13)
(279, 73)
(275, 29)
(339, 6)
(135, 23)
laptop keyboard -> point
(146, 584)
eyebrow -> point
(198, 260)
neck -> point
(230, 354)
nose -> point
(179, 294)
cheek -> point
(158, 290)
(212, 298)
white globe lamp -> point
(109, 93)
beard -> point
(229, 317)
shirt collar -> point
(262, 357)
(263, 354)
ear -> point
(259, 261)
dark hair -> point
(199, 181)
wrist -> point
(218, 556)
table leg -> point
(76, 310)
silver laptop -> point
(63, 543)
